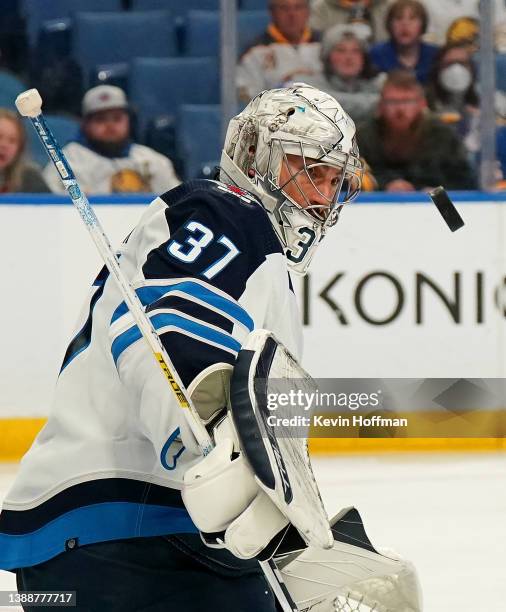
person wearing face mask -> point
(453, 94)
(451, 91)
(16, 174)
(104, 158)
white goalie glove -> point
(253, 483)
(225, 501)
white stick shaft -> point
(131, 298)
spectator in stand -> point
(368, 15)
(443, 13)
(406, 23)
(104, 158)
(288, 47)
(452, 92)
(407, 148)
(464, 31)
(16, 175)
(347, 72)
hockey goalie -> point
(114, 500)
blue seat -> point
(106, 38)
(199, 137)
(159, 86)
(178, 8)
(37, 11)
(500, 69)
(111, 74)
(208, 169)
(254, 5)
(501, 148)
(10, 88)
(64, 129)
(53, 41)
(202, 36)
(161, 136)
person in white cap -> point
(104, 158)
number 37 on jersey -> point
(199, 238)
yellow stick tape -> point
(181, 397)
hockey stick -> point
(29, 104)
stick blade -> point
(447, 208)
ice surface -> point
(445, 512)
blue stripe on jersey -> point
(131, 335)
(150, 294)
(91, 524)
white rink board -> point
(49, 263)
(380, 250)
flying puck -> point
(447, 208)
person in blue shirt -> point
(406, 23)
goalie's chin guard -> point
(281, 464)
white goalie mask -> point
(296, 150)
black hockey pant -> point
(175, 573)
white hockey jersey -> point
(208, 266)
(140, 169)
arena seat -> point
(106, 38)
(178, 8)
(202, 31)
(199, 136)
(111, 74)
(10, 88)
(37, 11)
(254, 5)
(160, 86)
(501, 147)
(500, 71)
